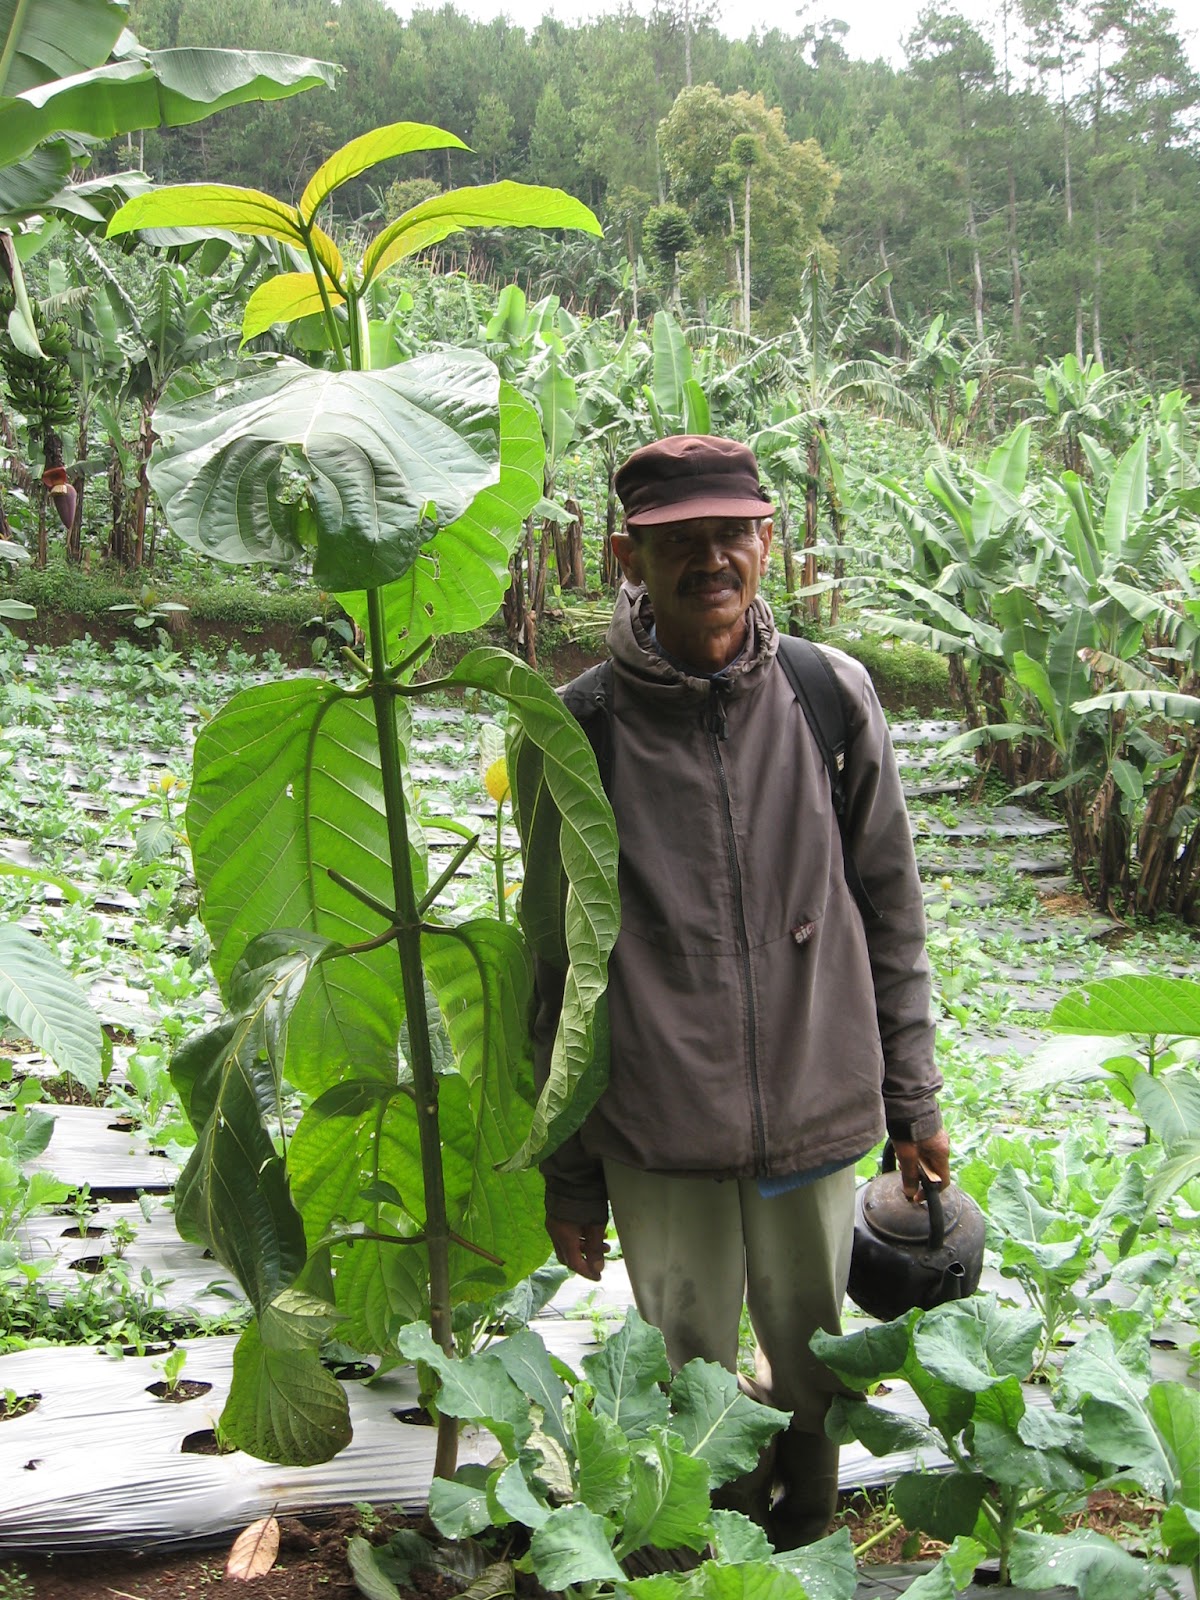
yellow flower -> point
(945, 885)
(495, 781)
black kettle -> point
(907, 1254)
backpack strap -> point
(815, 686)
(589, 700)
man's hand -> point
(932, 1155)
(579, 1245)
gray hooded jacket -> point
(758, 1028)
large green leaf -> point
(54, 39)
(475, 1388)
(39, 996)
(1134, 1003)
(480, 973)
(1157, 702)
(869, 1355)
(972, 1344)
(355, 1165)
(579, 833)
(954, 1571)
(491, 205)
(720, 1580)
(1094, 1566)
(221, 209)
(626, 1373)
(283, 1405)
(558, 403)
(718, 1423)
(1175, 1412)
(826, 1569)
(1014, 1207)
(360, 469)
(572, 1547)
(352, 1141)
(672, 365)
(668, 1504)
(1002, 1453)
(461, 584)
(1127, 497)
(1112, 1400)
(459, 1505)
(151, 89)
(601, 1455)
(943, 1505)
(1170, 1104)
(883, 1432)
(233, 1194)
(1069, 676)
(285, 298)
(527, 1361)
(286, 788)
(381, 144)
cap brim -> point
(702, 506)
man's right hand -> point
(579, 1245)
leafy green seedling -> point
(1016, 1469)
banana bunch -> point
(40, 390)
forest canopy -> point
(1041, 183)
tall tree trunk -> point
(812, 603)
(575, 545)
(610, 570)
(789, 563)
(75, 531)
(976, 262)
(889, 303)
(1014, 254)
(746, 257)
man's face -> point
(701, 577)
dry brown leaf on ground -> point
(254, 1550)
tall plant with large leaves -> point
(400, 1029)
(1076, 655)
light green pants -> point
(696, 1248)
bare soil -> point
(311, 1565)
(866, 1515)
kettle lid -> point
(887, 1211)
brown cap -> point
(687, 476)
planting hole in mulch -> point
(414, 1417)
(148, 1349)
(347, 1371)
(179, 1391)
(90, 1264)
(204, 1442)
(83, 1233)
(122, 1125)
(16, 1405)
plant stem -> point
(885, 1532)
(498, 860)
(408, 944)
(331, 327)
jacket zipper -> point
(715, 726)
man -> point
(762, 1034)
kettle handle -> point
(933, 1199)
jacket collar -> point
(639, 661)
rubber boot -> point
(751, 1493)
(806, 1471)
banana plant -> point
(397, 1032)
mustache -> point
(705, 585)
